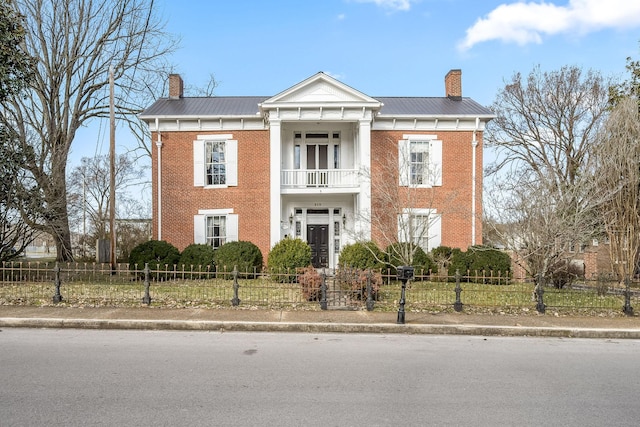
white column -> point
(474, 147)
(275, 160)
(159, 181)
(363, 226)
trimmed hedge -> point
(198, 257)
(421, 262)
(362, 255)
(159, 254)
(242, 254)
(287, 256)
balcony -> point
(319, 180)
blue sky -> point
(388, 47)
(395, 47)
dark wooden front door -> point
(318, 239)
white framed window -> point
(423, 227)
(420, 161)
(215, 161)
(215, 227)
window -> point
(215, 164)
(420, 161)
(216, 230)
(215, 227)
(421, 226)
(215, 161)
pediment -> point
(320, 89)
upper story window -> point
(215, 164)
(215, 161)
(420, 161)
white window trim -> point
(231, 160)
(435, 160)
(434, 231)
(199, 224)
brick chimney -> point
(176, 86)
(453, 85)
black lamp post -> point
(405, 273)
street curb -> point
(365, 328)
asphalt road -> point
(126, 378)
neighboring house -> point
(308, 163)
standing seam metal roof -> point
(220, 106)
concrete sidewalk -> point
(336, 321)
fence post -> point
(56, 280)
(370, 301)
(235, 301)
(457, 306)
(323, 291)
(146, 299)
(540, 306)
(627, 308)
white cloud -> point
(341, 17)
(524, 23)
(391, 4)
(337, 76)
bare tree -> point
(404, 216)
(154, 88)
(75, 43)
(544, 133)
(540, 230)
(617, 173)
(89, 193)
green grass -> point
(125, 291)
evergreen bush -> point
(197, 257)
(362, 255)
(286, 257)
(421, 262)
(160, 255)
(244, 255)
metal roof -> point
(221, 106)
(431, 106)
(204, 107)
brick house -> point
(313, 162)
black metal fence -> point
(91, 284)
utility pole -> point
(112, 183)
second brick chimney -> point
(176, 86)
(453, 85)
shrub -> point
(563, 273)
(442, 256)
(478, 260)
(421, 262)
(198, 258)
(310, 283)
(362, 255)
(159, 254)
(354, 280)
(246, 256)
(287, 256)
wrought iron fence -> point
(91, 284)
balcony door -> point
(317, 159)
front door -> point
(318, 239)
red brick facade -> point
(303, 157)
(452, 199)
(181, 200)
